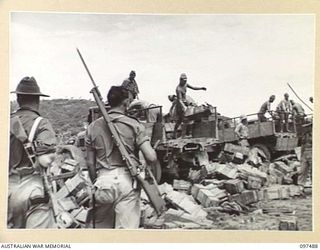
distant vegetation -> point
(66, 115)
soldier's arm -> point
(125, 83)
(237, 130)
(148, 152)
(269, 109)
(45, 138)
(91, 163)
(137, 88)
(45, 142)
(143, 142)
(91, 156)
(289, 107)
(196, 88)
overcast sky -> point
(241, 59)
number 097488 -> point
(308, 246)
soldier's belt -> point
(39, 200)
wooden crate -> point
(246, 197)
(288, 224)
(254, 182)
(234, 186)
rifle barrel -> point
(86, 67)
(150, 188)
(299, 97)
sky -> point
(240, 59)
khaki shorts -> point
(116, 197)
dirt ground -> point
(299, 207)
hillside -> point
(66, 115)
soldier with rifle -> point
(113, 143)
(114, 183)
(32, 147)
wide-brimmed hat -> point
(28, 86)
(243, 117)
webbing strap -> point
(34, 128)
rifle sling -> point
(116, 119)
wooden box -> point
(234, 186)
(254, 182)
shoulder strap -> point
(34, 128)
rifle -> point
(148, 182)
(299, 97)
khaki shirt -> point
(297, 109)
(181, 91)
(284, 106)
(132, 86)
(265, 107)
(98, 137)
(44, 138)
(242, 131)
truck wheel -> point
(264, 149)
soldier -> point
(242, 131)
(27, 201)
(284, 108)
(311, 99)
(115, 192)
(151, 111)
(131, 85)
(181, 92)
(306, 155)
(266, 106)
(298, 112)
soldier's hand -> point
(46, 159)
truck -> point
(203, 136)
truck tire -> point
(265, 150)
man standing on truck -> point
(242, 131)
(115, 189)
(28, 203)
(182, 103)
(266, 106)
(131, 85)
(284, 108)
(298, 112)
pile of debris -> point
(71, 188)
(236, 184)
